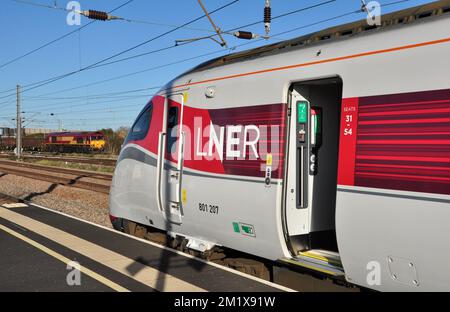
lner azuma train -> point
(330, 152)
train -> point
(75, 141)
(86, 141)
(327, 153)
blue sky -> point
(26, 27)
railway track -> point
(82, 173)
(7, 199)
(47, 174)
(92, 161)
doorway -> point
(312, 164)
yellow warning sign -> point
(269, 160)
(183, 196)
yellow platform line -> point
(311, 267)
(320, 257)
(61, 258)
(142, 273)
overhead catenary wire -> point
(265, 20)
(325, 20)
(169, 47)
(211, 53)
(113, 96)
(120, 18)
(38, 84)
(301, 27)
(163, 34)
(88, 103)
(97, 64)
(87, 98)
(91, 14)
(131, 74)
(44, 82)
(57, 39)
(106, 109)
(48, 44)
(291, 30)
(53, 79)
(55, 7)
(337, 17)
(230, 32)
(137, 21)
(93, 96)
(285, 14)
(62, 101)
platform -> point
(37, 244)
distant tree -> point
(122, 132)
(114, 139)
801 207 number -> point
(208, 208)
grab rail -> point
(159, 168)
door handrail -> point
(159, 168)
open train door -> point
(301, 162)
(311, 177)
(170, 160)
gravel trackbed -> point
(84, 204)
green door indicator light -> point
(302, 112)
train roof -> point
(76, 133)
(401, 17)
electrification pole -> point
(19, 126)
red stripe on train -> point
(395, 130)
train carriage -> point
(328, 152)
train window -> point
(172, 121)
(141, 125)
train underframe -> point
(282, 273)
